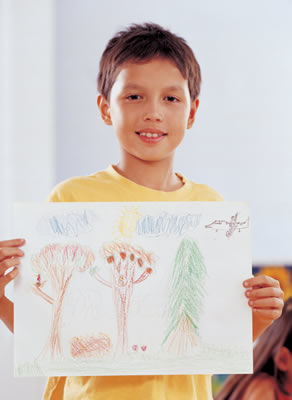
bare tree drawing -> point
(56, 264)
(129, 265)
(186, 298)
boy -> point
(149, 83)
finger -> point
(4, 280)
(6, 252)
(267, 314)
(8, 263)
(269, 303)
(12, 243)
(264, 292)
(261, 281)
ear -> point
(282, 359)
(193, 110)
(104, 109)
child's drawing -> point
(71, 224)
(166, 224)
(129, 266)
(164, 299)
(135, 347)
(90, 346)
(126, 224)
(186, 298)
(229, 226)
(56, 264)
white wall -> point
(241, 143)
(27, 144)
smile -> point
(150, 135)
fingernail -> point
(248, 292)
(14, 273)
(245, 283)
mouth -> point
(151, 135)
(151, 138)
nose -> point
(153, 112)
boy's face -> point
(150, 108)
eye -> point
(133, 97)
(172, 99)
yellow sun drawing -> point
(126, 225)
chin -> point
(153, 158)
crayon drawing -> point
(186, 298)
(126, 224)
(229, 226)
(132, 289)
(129, 266)
(55, 265)
(90, 346)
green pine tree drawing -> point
(186, 298)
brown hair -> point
(279, 334)
(141, 43)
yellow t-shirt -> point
(108, 185)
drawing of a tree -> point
(129, 266)
(56, 264)
(186, 298)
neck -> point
(157, 175)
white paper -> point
(133, 289)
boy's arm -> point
(9, 258)
(266, 300)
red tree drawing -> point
(129, 265)
(56, 264)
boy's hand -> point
(9, 257)
(266, 300)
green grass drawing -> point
(29, 369)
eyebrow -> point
(171, 88)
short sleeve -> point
(54, 196)
(63, 192)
